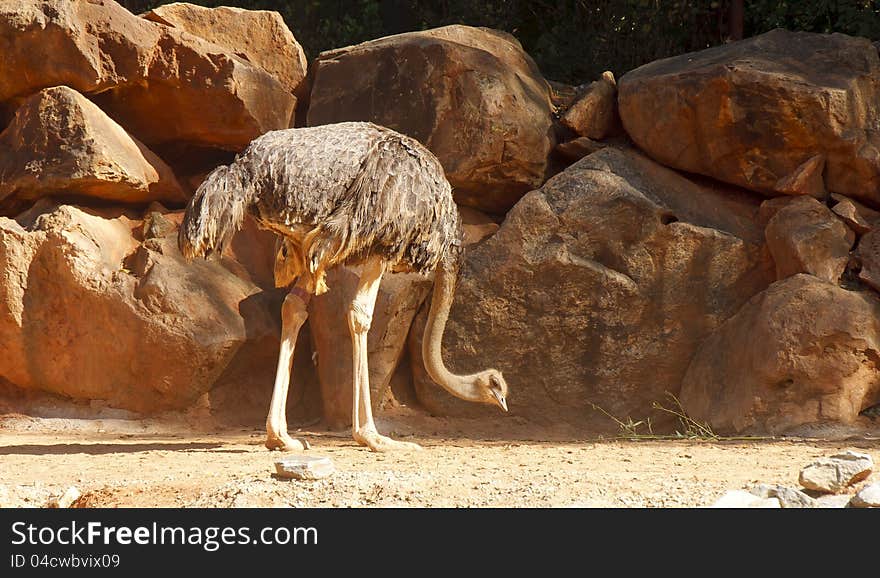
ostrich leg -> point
(293, 315)
(360, 316)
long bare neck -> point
(462, 386)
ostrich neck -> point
(462, 386)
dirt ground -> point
(465, 463)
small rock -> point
(575, 150)
(594, 114)
(867, 497)
(847, 210)
(304, 467)
(833, 501)
(744, 499)
(66, 500)
(868, 214)
(788, 497)
(833, 474)
(156, 226)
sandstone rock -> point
(152, 79)
(867, 497)
(804, 236)
(744, 499)
(764, 113)
(88, 312)
(594, 114)
(802, 352)
(575, 150)
(788, 497)
(471, 95)
(868, 254)
(476, 226)
(833, 474)
(400, 295)
(852, 216)
(597, 288)
(866, 213)
(259, 36)
(304, 467)
(61, 143)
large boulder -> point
(598, 288)
(259, 36)
(153, 79)
(90, 312)
(471, 95)
(399, 298)
(61, 143)
(803, 352)
(766, 113)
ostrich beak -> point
(499, 399)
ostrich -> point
(351, 193)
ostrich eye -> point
(493, 381)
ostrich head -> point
(492, 388)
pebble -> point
(66, 499)
(744, 499)
(304, 467)
(867, 497)
(833, 474)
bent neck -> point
(461, 386)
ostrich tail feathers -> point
(214, 213)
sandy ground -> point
(510, 463)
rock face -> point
(769, 113)
(400, 295)
(471, 95)
(88, 312)
(259, 36)
(59, 142)
(831, 475)
(804, 351)
(804, 236)
(594, 115)
(598, 288)
(152, 79)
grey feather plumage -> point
(336, 194)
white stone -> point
(833, 501)
(788, 497)
(835, 473)
(744, 499)
(304, 467)
(867, 497)
(66, 499)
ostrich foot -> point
(379, 443)
(283, 442)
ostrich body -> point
(350, 193)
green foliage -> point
(572, 40)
